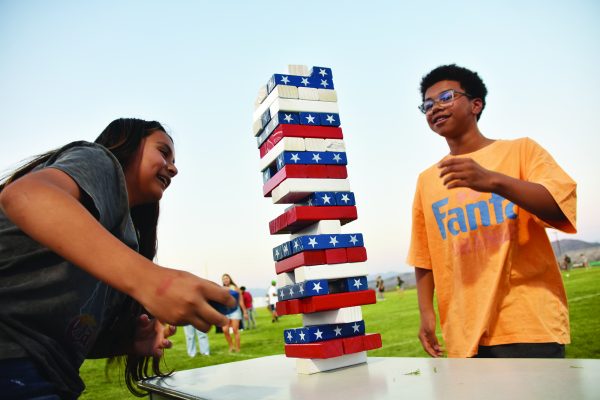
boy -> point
(478, 234)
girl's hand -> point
(151, 337)
(180, 298)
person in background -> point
(234, 317)
(272, 295)
(249, 321)
(191, 334)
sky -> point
(68, 68)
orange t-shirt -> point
(496, 278)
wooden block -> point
(335, 271)
(286, 144)
(285, 279)
(300, 217)
(306, 258)
(288, 171)
(337, 300)
(300, 70)
(312, 144)
(272, 97)
(281, 307)
(261, 95)
(339, 316)
(318, 228)
(356, 254)
(353, 344)
(307, 366)
(292, 190)
(336, 256)
(335, 145)
(372, 341)
(298, 130)
(337, 171)
(295, 105)
(257, 127)
(306, 93)
(320, 350)
(327, 95)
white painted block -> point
(261, 96)
(330, 271)
(314, 144)
(294, 189)
(301, 70)
(339, 316)
(309, 366)
(302, 106)
(327, 95)
(335, 145)
(280, 91)
(287, 278)
(285, 144)
(306, 93)
(333, 226)
(257, 126)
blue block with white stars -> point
(345, 199)
(351, 240)
(268, 173)
(284, 117)
(322, 199)
(352, 284)
(321, 72)
(281, 79)
(310, 118)
(329, 119)
(317, 287)
(334, 158)
(265, 118)
(317, 242)
(319, 333)
(310, 158)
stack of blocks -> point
(320, 271)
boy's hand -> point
(427, 336)
(151, 337)
(464, 172)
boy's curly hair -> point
(469, 81)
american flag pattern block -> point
(303, 163)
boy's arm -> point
(425, 289)
(45, 205)
(533, 197)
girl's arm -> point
(45, 205)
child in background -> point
(77, 239)
(478, 233)
(234, 318)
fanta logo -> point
(457, 220)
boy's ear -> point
(476, 106)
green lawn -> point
(396, 318)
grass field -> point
(396, 318)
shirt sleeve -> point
(418, 253)
(100, 177)
(540, 167)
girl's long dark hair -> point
(123, 137)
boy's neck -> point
(468, 142)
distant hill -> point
(566, 246)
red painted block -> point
(372, 341)
(288, 171)
(337, 171)
(312, 257)
(336, 256)
(356, 254)
(353, 344)
(331, 301)
(281, 307)
(299, 217)
(326, 349)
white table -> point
(274, 377)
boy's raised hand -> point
(464, 172)
(181, 298)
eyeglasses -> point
(444, 99)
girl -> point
(77, 236)
(233, 319)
